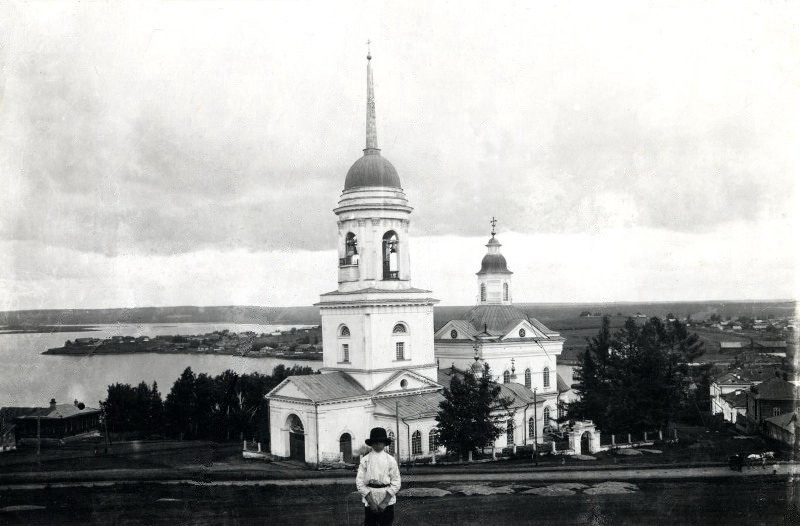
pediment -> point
(463, 331)
(413, 382)
(289, 390)
(529, 331)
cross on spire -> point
(493, 222)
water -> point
(29, 378)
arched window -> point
(546, 377)
(344, 332)
(433, 440)
(546, 415)
(510, 432)
(350, 250)
(390, 268)
(416, 443)
(506, 377)
(390, 447)
(528, 378)
(505, 291)
(483, 291)
(531, 427)
(399, 329)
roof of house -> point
(59, 411)
(423, 405)
(746, 376)
(783, 421)
(735, 399)
(771, 344)
(499, 319)
(776, 389)
(328, 386)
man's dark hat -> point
(378, 434)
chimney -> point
(52, 403)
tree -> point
(636, 379)
(471, 415)
(179, 407)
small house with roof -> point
(54, 425)
(782, 428)
(770, 398)
(736, 380)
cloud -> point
(171, 129)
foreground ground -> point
(737, 500)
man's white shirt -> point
(381, 467)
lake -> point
(29, 378)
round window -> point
(404, 383)
(454, 334)
(522, 333)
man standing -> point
(378, 480)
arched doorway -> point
(346, 447)
(297, 438)
(586, 439)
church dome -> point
(494, 264)
(495, 318)
(371, 170)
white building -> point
(379, 366)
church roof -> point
(371, 170)
(328, 386)
(413, 406)
(519, 394)
(561, 385)
(499, 319)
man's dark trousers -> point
(379, 518)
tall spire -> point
(372, 133)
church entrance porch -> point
(346, 447)
(297, 438)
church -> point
(383, 362)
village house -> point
(770, 398)
(732, 405)
(55, 424)
(783, 428)
(733, 381)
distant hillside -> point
(558, 316)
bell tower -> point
(375, 323)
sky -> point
(191, 153)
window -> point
(399, 329)
(510, 432)
(433, 440)
(403, 383)
(546, 377)
(344, 332)
(560, 410)
(505, 291)
(454, 334)
(528, 378)
(390, 447)
(416, 443)
(483, 292)
(531, 427)
(350, 250)
(346, 352)
(522, 333)
(506, 377)
(776, 411)
(390, 268)
(400, 351)
(546, 414)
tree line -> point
(229, 406)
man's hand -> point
(373, 505)
(385, 502)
